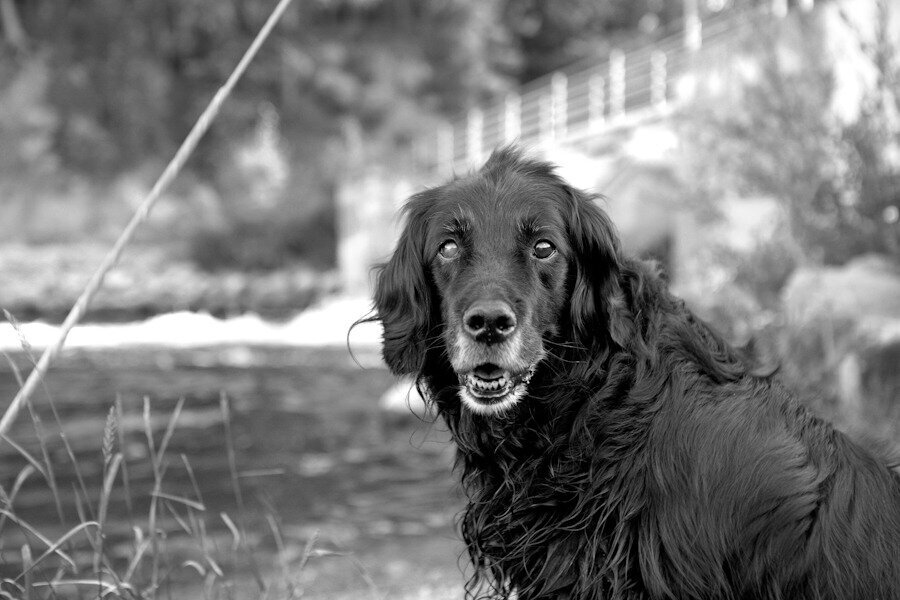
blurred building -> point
(611, 126)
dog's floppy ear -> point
(598, 309)
(404, 296)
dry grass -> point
(92, 558)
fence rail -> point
(588, 100)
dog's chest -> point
(553, 526)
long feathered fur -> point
(649, 459)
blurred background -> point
(752, 147)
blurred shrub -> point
(27, 121)
(662, 252)
(879, 376)
(792, 125)
(840, 334)
(275, 207)
(765, 270)
(734, 311)
(313, 238)
(272, 243)
(27, 126)
(787, 126)
(736, 274)
(42, 282)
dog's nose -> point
(489, 322)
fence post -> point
(596, 101)
(444, 159)
(616, 84)
(780, 8)
(693, 32)
(474, 132)
(545, 119)
(559, 113)
(512, 118)
(658, 74)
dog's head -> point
(494, 272)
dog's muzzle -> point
(489, 389)
(490, 358)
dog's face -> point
(499, 261)
(492, 272)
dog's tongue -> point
(488, 372)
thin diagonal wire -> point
(171, 171)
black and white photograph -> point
(450, 299)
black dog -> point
(611, 444)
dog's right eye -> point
(544, 249)
(449, 249)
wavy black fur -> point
(648, 460)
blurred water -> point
(312, 443)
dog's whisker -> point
(560, 358)
(568, 345)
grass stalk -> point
(29, 352)
(109, 479)
(54, 548)
(236, 485)
(126, 478)
(157, 487)
(27, 564)
(39, 430)
(23, 475)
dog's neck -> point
(533, 464)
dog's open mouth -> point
(489, 386)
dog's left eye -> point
(449, 249)
(544, 249)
